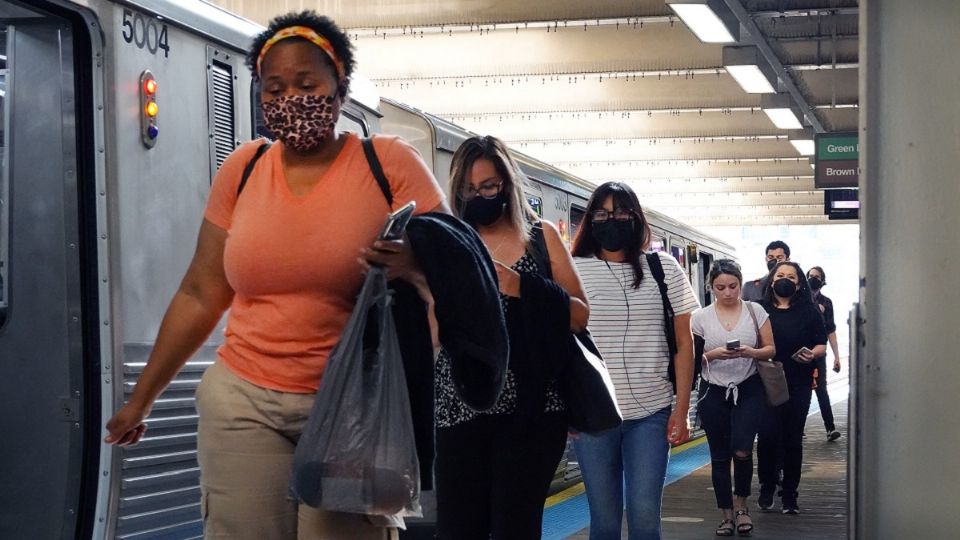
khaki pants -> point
(246, 440)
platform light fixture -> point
(751, 71)
(802, 140)
(781, 110)
(710, 20)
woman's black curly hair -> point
(320, 24)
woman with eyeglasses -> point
(494, 467)
(627, 321)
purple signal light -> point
(153, 131)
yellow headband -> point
(310, 35)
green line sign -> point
(836, 160)
(830, 147)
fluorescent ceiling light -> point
(751, 79)
(804, 146)
(750, 69)
(704, 22)
(783, 118)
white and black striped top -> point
(627, 325)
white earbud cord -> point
(623, 345)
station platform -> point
(689, 506)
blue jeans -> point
(629, 460)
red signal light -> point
(150, 86)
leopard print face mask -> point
(301, 122)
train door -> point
(41, 308)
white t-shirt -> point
(704, 323)
(627, 325)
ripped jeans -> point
(730, 432)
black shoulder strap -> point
(538, 249)
(377, 169)
(656, 268)
(249, 168)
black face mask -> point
(480, 211)
(613, 235)
(770, 264)
(784, 288)
(815, 283)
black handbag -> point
(587, 389)
(584, 382)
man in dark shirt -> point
(777, 251)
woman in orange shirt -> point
(284, 258)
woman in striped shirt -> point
(627, 322)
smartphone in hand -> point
(802, 350)
(396, 223)
(733, 344)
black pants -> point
(781, 432)
(730, 429)
(826, 411)
(492, 478)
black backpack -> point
(368, 151)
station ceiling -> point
(617, 90)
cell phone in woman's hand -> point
(397, 222)
(798, 356)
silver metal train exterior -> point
(98, 223)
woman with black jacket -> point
(494, 467)
(799, 337)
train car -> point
(115, 117)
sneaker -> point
(765, 501)
(790, 507)
(833, 435)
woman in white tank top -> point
(729, 337)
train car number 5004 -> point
(145, 33)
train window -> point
(679, 253)
(658, 243)
(4, 185)
(706, 261)
(576, 218)
(221, 108)
(536, 203)
(351, 122)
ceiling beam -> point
(601, 75)
(748, 24)
(812, 12)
